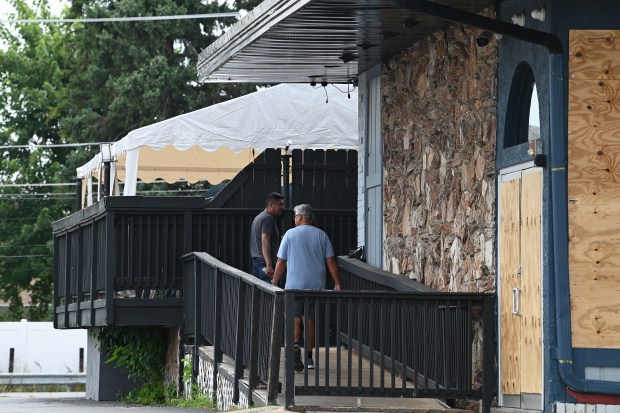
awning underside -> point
(317, 40)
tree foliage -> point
(81, 83)
(31, 74)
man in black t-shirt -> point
(265, 238)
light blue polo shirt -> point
(305, 249)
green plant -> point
(196, 400)
(141, 352)
(200, 401)
(149, 393)
(187, 368)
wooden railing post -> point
(110, 267)
(57, 276)
(289, 349)
(275, 345)
(487, 353)
(239, 339)
(67, 276)
(254, 334)
(93, 272)
(217, 325)
(79, 275)
(197, 315)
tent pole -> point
(286, 177)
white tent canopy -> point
(216, 142)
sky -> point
(55, 6)
(534, 110)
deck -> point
(366, 402)
(119, 261)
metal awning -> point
(299, 41)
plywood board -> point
(510, 324)
(531, 264)
(594, 141)
(595, 318)
(594, 242)
(592, 54)
(594, 187)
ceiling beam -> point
(550, 41)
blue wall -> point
(562, 16)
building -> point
(454, 190)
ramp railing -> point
(238, 316)
(392, 343)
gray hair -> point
(305, 210)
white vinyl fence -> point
(36, 353)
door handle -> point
(516, 301)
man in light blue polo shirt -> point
(304, 252)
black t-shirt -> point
(264, 223)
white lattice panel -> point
(225, 393)
(205, 376)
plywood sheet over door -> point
(509, 250)
(520, 246)
(594, 187)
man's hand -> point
(266, 250)
(269, 271)
(280, 267)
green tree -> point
(131, 74)
(79, 83)
(31, 71)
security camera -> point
(483, 39)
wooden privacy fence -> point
(408, 343)
(125, 252)
(323, 179)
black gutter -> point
(559, 177)
(451, 14)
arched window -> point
(522, 116)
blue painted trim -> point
(594, 357)
(559, 204)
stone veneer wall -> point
(438, 119)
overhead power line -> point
(25, 198)
(126, 19)
(24, 256)
(36, 194)
(36, 185)
(26, 185)
(52, 145)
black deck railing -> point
(240, 316)
(124, 253)
(391, 343)
(403, 341)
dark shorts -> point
(299, 308)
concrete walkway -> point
(74, 403)
(77, 403)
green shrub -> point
(141, 352)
